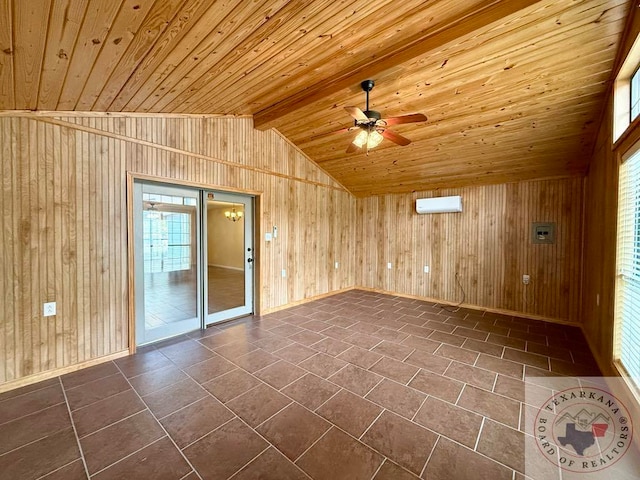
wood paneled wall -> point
(64, 222)
(488, 245)
(601, 207)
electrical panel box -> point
(544, 233)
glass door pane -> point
(167, 251)
(229, 256)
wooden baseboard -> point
(38, 377)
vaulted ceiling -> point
(513, 89)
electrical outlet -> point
(426, 269)
(337, 265)
(526, 279)
(389, 265)
(49, 309)
(275, 232)
(284, 273)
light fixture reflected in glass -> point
(371, 138)
(233, 215)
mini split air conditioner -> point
(439, 204)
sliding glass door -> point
(193, 252)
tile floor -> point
(354, 386)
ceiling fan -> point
(373, 128)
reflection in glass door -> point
(167, 252)
(228, 256)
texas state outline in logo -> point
(583, 429)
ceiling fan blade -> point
(414, 117)
(394, 137)
(356, 113)
(352, 148)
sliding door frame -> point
(133, 177)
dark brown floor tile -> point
(157, 379)
(451, 461)
(323, 365)
(86, 375)
(362, 340)
(349, 459)
(356, 379)
(231, 384)
(224, 451)
(258, 404)
(105, 412)
(395, 370)
(428, 361)
(470, 333)
(159, 461)
(506, 341)
(447, 338)
(527, 358)
(331, 346)
(393, 350)
(364, 327)
(234, 350)
(311, 391)
(142, 362)
(270, 465)
(179, 395)
(360, 357)
(451, 421)
(72, 471)
(404, 442)
(496, 407)
(109, 445)
(391, 334)
(337, 332)
(554, 352)
(437, 385)
(209, 369)
(190, 356)
(402, 400)
(16, 407)
(315, 325)
(293, 430)
(198, 419)
(468, 322)
(350, 412)
(518, 390)
(417, 331)
(256, 360)
(285, 330)
(295, 353)
(272, 344)
(226, 337)
(16, 392)
(458, 354)
(529, 337)
(97, 390)
(574, 369)
(280, 374)
(41, 457)
(471, 375)
(306, 337)
(422, 344)
(483, 347)
(492, 443)
(32, 427)
(342, 322)
(440, 326)
(505, 367)
(391, 471)
(484, 327)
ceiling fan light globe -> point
(374, 139)
(361, 138)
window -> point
(628, 269)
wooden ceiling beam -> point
(467, 22)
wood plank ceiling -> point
(513, 89)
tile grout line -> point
(29, 414)
(127, 456)
(384, 409)
(433, 449)
(475, 446)
(162, 426)
(73, 425)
